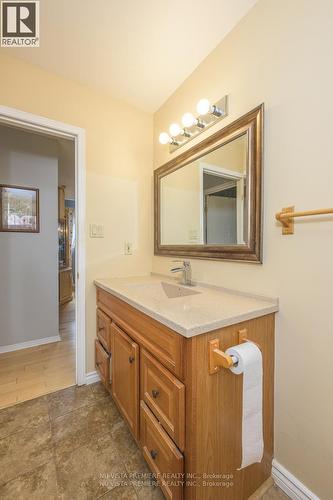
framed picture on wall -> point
(19, 209)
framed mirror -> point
(208, 200)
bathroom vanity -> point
(153, 355)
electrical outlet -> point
(128, 248)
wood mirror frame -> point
(252, 124)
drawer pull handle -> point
(155, 393)
(131, 359)
(153, 454)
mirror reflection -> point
(205, 202)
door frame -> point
(30, 122)
(216, 170)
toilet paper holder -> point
(218, 359)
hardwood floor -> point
(29, 373)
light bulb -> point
(175, 129)
(164, 138)
(203, 107)
(188, 120)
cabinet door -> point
(125, 377)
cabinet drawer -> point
(103, 324)
(165, 396)
(161, 454)
(102, 363)
(162, 342)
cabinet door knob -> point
(153, 454)
(101, 328)
(131, 359)
(155, 393)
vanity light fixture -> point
(165, 138)
(189, 120)
(204, 107)
(193, 126)
(175, 130)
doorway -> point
(70, 237)
(222, 198)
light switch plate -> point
(96, 231)
(193, 235)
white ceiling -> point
(139, 51)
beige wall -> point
(180, 194)
(119, 163)
(281, 54)
(232, 156)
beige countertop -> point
(209, 308)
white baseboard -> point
(29, 343)
(290, 484)
(92, 377)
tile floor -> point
(73, 444)
(274, 493)
(32, 372)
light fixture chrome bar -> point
(218, 111)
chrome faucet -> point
(186, 270)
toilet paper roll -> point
(249, 363)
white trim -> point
(28, 121)
(210, 168)
(220, 187)
(29, 343)
(290, 484)
(92, 377)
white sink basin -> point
(162, 290)
(173, 291)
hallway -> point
(33, 372)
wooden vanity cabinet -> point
(104, 330)
(125, 377)
(161, 454)
(164, 394)
(102, 363)
(187, 421)
(103, 347)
